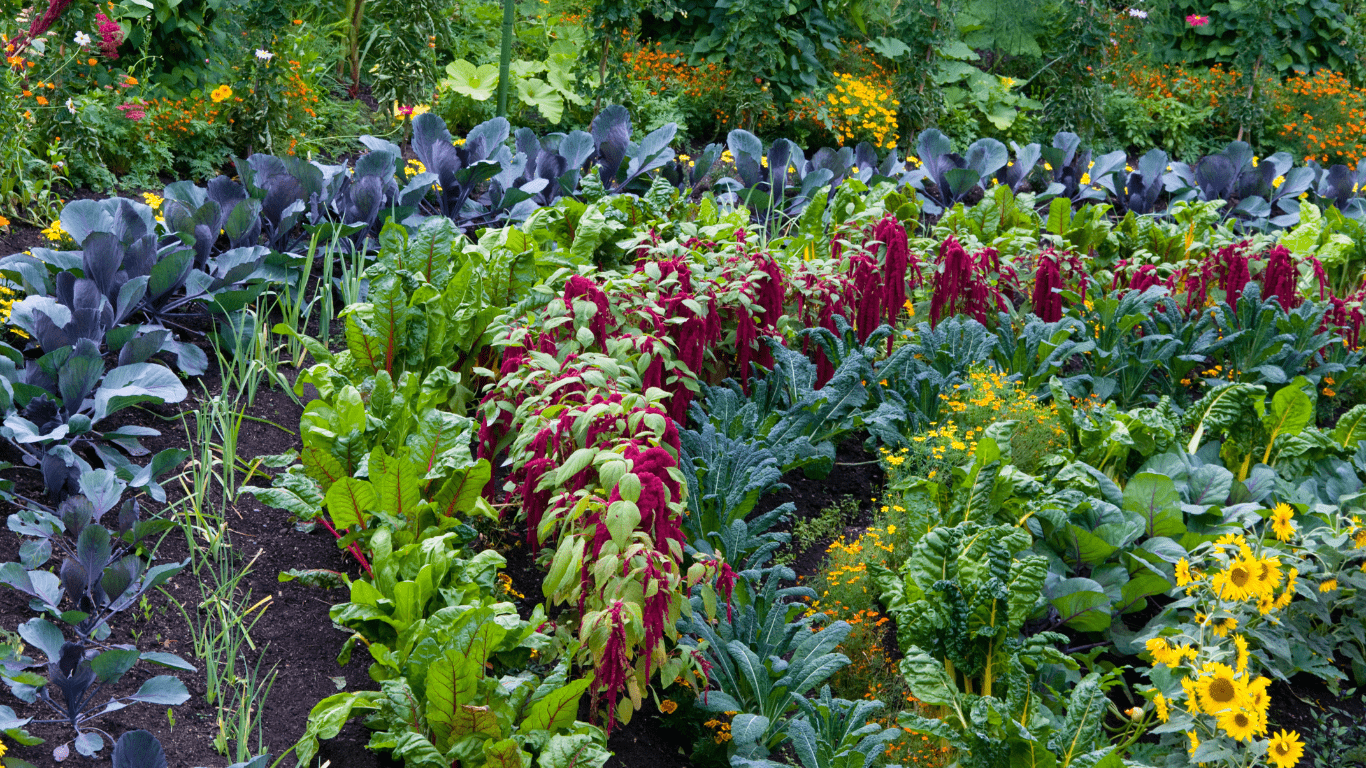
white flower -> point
(82, 39)
(1137, 14)
(264, 55)
(71, 106)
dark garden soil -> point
(856, 474)
(294, 633)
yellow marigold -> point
(220, 94)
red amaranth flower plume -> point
(1279, 278)
(579, 286)
(959, 285)
(1047, 298)
(868, 292)
(656, 611)
(725, 584)
(39, 25)
(1346, 316)
(1233, 262)
(614, 665)
(1145, 278)
(897, 265)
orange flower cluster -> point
(1323, 117)
(1198, 87)
(178, 117)
(669, 71)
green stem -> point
(505, 57)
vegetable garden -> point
(518, 447)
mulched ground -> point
(295, 633)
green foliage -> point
(437, 636)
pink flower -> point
(1195, 20)
(134, 112)
(111, 36)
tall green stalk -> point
(505, 57)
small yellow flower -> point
(1285, 749)
(1330, 585)
(1281, 521)
(220, 94)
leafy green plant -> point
(102, 573)
(764, 655)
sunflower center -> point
(1240, 576)
(1281, 749)
(1222, 691)
(1242, 720)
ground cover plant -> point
(549, 403)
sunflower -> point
(1230, 540)
(1160, 704)
(1330, 585)
(1240, 643)
(1223, 626)
(1269, 575)
(1220, 690)
(1257, 697)
(1192, 695)
(1237, 582)
(1195, 742)
(1241, 725)
(1281, 521)
(1183, 573)
(1285, 749)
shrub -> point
(988, 398)
(1320, 117)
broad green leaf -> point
(557, 710)
(1155, 499)
(397, 482)
(478, 83)
(1082, 605)
(349, 501)
(537, 93)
